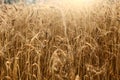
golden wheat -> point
(61, 41)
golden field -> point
(60, 41)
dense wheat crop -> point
(60, 41)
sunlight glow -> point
(74, 3)
(85, 2)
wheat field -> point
(60, 41)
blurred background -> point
(42, 1)
(23, 1)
